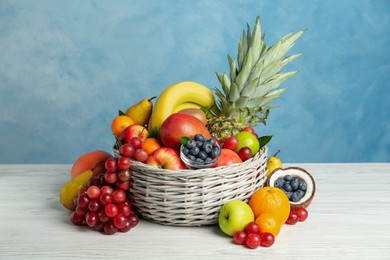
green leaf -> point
(263, 140)
(205, 109)
(154, 133)
(121, 113)
(184, 139)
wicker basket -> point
(193, 197)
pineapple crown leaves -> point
(256, 74)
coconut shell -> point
(282, 172)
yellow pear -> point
(70, 190)
(140, 112)
(273, 163)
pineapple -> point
(252, 83)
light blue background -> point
(66, 67)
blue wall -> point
(66, 67)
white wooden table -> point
(349, 218)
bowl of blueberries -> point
(200, 152)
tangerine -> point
(120, 123)
(268, 223)
(271, 200)
(151, 144)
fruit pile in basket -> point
(188, 127)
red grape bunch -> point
(104, 205)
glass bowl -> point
(193, 164)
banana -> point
(179, 96)
(186, 105)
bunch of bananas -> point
(177, 97)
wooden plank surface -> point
(349, 218)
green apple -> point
(234, 216)
(247, 139)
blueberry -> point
(190, 144)
(302, 185)
(207, 147)
(287, 177)
(215, 152)
(185, 150)
(199, 144)
(300, 193)
(191, 157)
(279, 182)
(208, 159)
(287, 186)
(194, 151)
(295, 184)
(295, 197)
(199, 137)
(212, 141)
(199, 160)
(289, 194)
(202, 155)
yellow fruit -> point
(140, 112)
(273, 163)
(71, 188)
(183, 95)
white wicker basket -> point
(193, 197)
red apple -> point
(227, 157)
(165, 158)
(134, 131)
(178, 125)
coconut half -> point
(295, 172)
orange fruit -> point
(270, 200)
(268, 223)
(120, 123)
(151, 144)
(88, 161)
